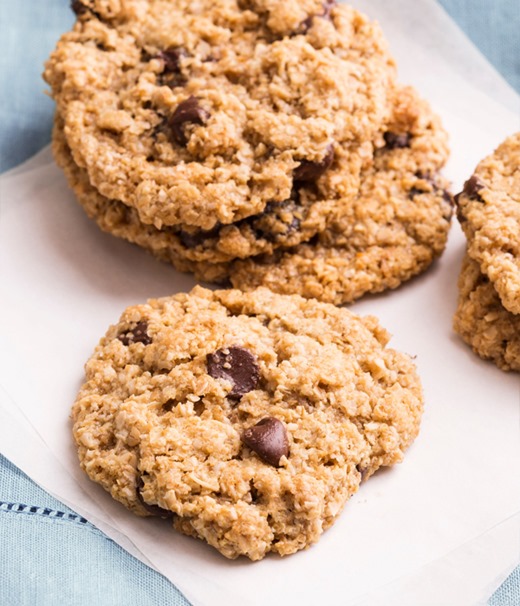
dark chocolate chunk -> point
(138, 334)
(311, 171)
(237, 365)
(187, 112)
(268, 438)
(395, 141)
(155, 510)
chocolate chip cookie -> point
(489, 213)
(483, 322)
(393, 230)
(201, 114)
(247, 419)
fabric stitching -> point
(46, 512)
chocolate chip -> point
(311, 171)
(268, 438)
(155, 510)
(306, 24)
(395, 141)
(172, 58)
(78, 7)
(237, 365)
(448, 197)
(472, 188)
(192, 240)
(278, 220)
(187, 112)
(138, 334)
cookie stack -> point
(488, 313)
(253, 142)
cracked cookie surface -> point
(248, 419)
(489, 213)
(203, 113)
(483, 322)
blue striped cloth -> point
(50, 555)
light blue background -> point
(50, 556)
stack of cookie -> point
(256, 142)
(488, 314)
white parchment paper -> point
(442, 528)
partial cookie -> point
(247, 418)
(489, 212)
(205, 113)
(391, 232)
(279, 225)
(482, 321)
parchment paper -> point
(442, 528)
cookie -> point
(392, 231)
(395, 228)
(279, 225)
(200, 114)
(489, 213)
(483, 322)
(248, 419)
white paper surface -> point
(442, 528)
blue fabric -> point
(508, 594)
(494, 27)
(51, 556)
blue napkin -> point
(52, 556)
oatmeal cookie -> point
(279, 225)
(483, 322)
(489, 213)
(392, 231)
(204, 113)
(248, 419)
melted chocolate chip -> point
(395, 141)
(155, 510)
(138, 334)
(311, 171)
(187, 112)
(268, 438)
(237, 365)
